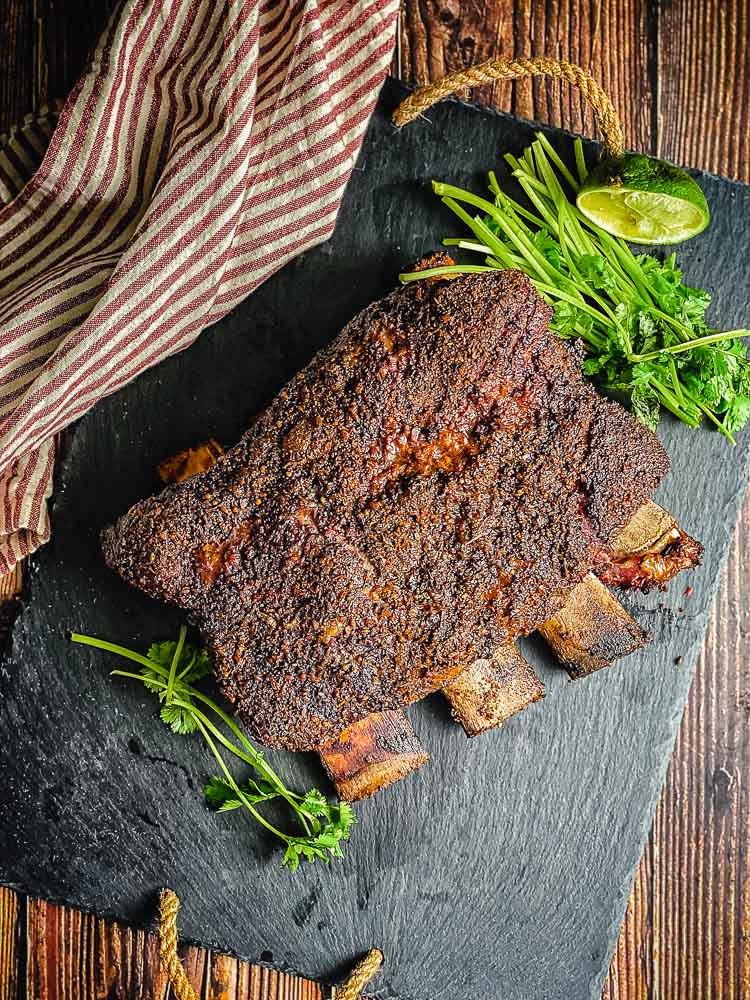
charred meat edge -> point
(383, 748)
(372, 754)
(472, 298)
(590, 632)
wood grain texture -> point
(11, 907)
(77, 956)
(17, 79)
(44, 45)
(679, 74)
(703, 107)
(613, 41)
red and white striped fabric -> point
(209, 143)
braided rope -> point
(513, 69)
(169, 906)
(360, 976)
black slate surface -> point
(502, 869)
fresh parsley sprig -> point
(644, 329)
(169, 670)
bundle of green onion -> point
(644, 329)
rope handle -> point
(169, 907)
(360, 976)
(514, 69)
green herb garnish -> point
(169, 671)
(644, 329)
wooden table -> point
(679, 73)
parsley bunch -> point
(169, 671)
(644, 329)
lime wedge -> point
(644, 200)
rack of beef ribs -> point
(436, 483)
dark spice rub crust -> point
(430, 486)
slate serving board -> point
(501, 869)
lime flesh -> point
(643, 200)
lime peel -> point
(644, 200)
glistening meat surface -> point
(432, 484)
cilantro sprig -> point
(169, 670)
(644, 328)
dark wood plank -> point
(77, 956)
(611, 40)
(11, 945)
(44, 45)
(17, 76)
(703, 116)
(69, 31)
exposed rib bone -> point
(592, 630)
(190, 462)
(490, 691)
(372, 754)
(648, 552)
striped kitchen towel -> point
(208, 143)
